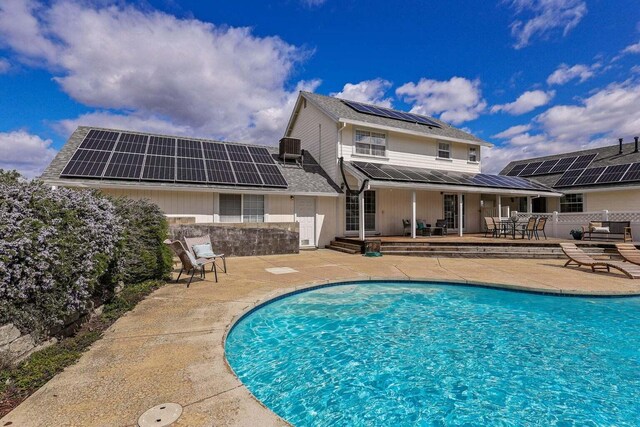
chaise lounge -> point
(629, 252)
(580, 258)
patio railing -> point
(560, 224)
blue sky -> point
(533, 77)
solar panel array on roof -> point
(391, 114)
(384, 172)
(629, 172)
(129, 156)
(551, 166)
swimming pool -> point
(408, 353)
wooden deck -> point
(474, 239)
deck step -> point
(346, 245)
(343, 249)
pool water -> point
(407, 353)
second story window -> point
(444, 150)
(473, 154)
(370, 143)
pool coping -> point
(294, 290)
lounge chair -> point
(206, 240)
(440, 228)
(189, 263)
(529, 229)
(406, 227)
(629, 252)
(580, 258)
(490, 227)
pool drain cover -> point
(161, 415)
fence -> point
(560, 224)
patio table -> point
(508, 226)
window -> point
(230, 208)
(253, 208)
(444, 150)
(571, 203)
(238, 208)
(353, 211)
(473, 154)
(370, 143)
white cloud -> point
(456, 100)
(4, 65)
(193, 76)
(598, 120)
(544, 17)
(526, 102)
(368, 91)
(512, 131)
(611, 111)
(28, 154)
(632, 48)
(564, 73)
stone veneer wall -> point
(15, 346)
(245, 239)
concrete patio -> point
(171, 349)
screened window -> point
(230, 208)
(253, 208)
(444, 150)
(473, 154)
(241, 208)
(370, 143)
(571, 203)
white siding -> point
(621, 200)
(174, 203)
(319, 135)
(412, 151)
(280, 208)
(325, 220)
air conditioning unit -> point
(290, 149)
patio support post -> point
(413, 215)
(460, 214)
(529, 205)
(499, 197)
(361, 216)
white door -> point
(306, 216)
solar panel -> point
(590, 176)
(219, 172)
(517, 169)
(215, 151)
(546, 166)
(613, 174)
(239, 153)
(124, 165)
(190, 169)
(372, 170)
(162, 146)
(260, 155)
(530, 169)
(394, 172)
(633, 174)
(246, 173)
(159, 168)
(568, 178)
(189, 148)
(271, 175)
(132, 143)
(99, 140)
(391, 114)
(86, 163)
(582, 162)
(563, 164)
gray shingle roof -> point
(310, 178)
(336, 108)
(606, 156)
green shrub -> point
(143, 254)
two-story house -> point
(409, 167)
(360, 168)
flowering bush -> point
(58, 250)
(62, 250)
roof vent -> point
(620, 141)
(290, 149)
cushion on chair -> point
(191, 258)
(203, 251)
(600, 229)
